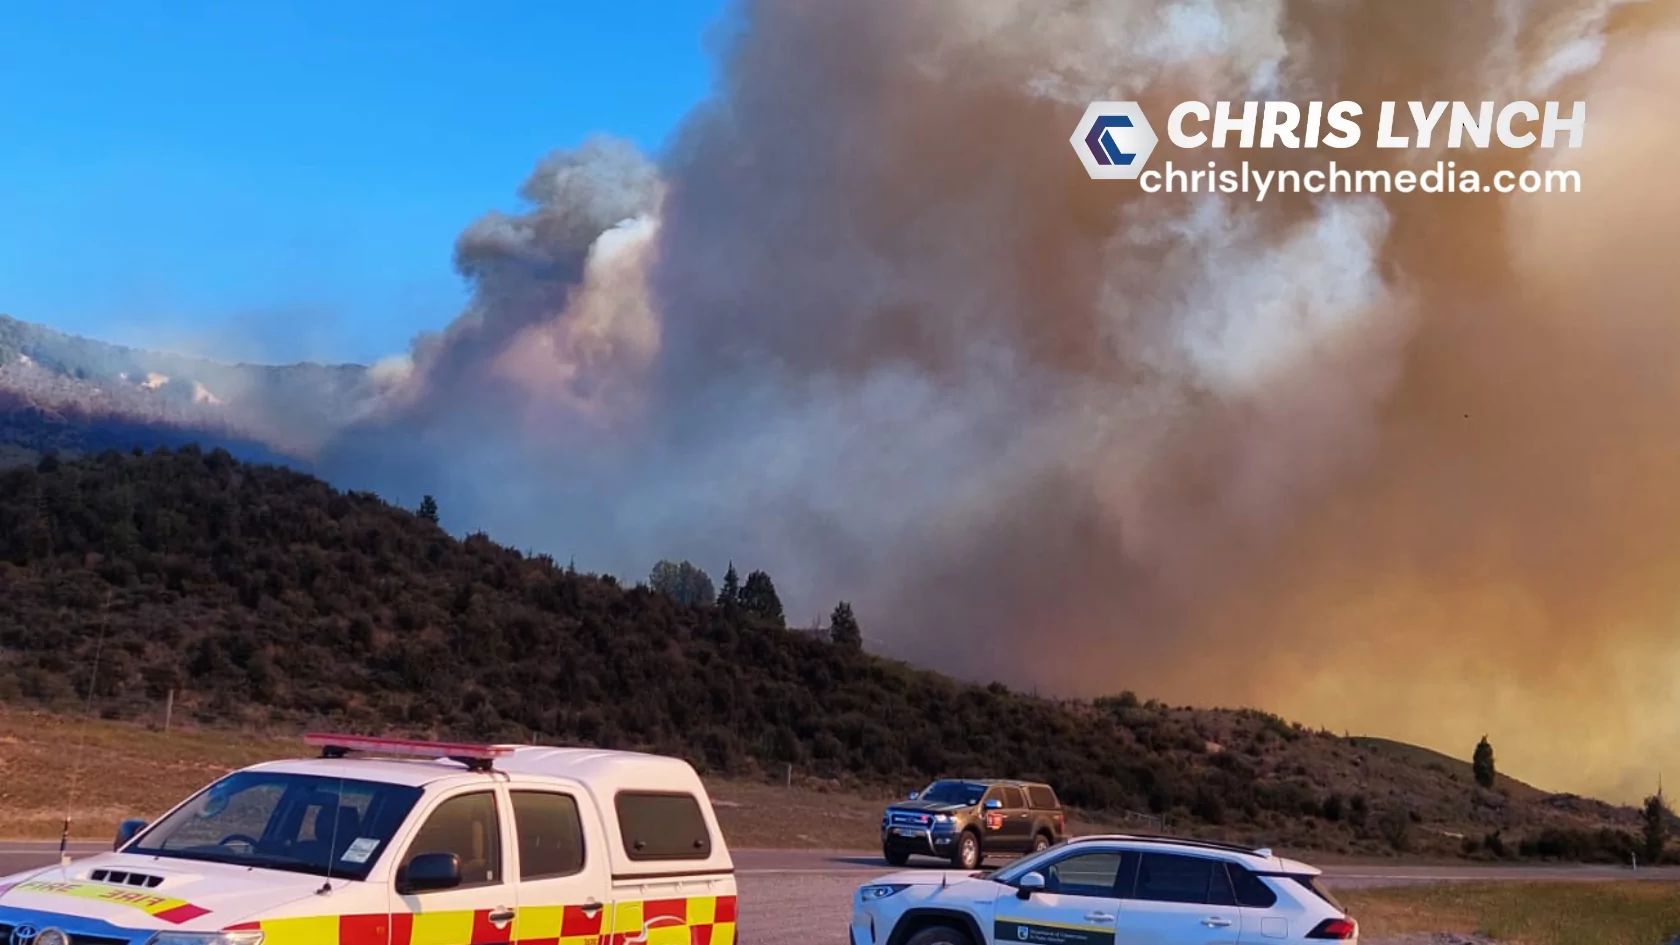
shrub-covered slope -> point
(262, 596)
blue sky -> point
(284, 179)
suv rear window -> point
(1317, 889)
(1042, 798)
(1252, 891)
(656, 826)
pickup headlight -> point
(942, 818)
(207, 938)
(872, 893)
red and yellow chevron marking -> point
(700, 920)
(173, 911)
(697, 920)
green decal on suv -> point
(1045, 933)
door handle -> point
(1216, 922)
(501, 916)
(591, 907)
(1099, 917)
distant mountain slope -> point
(29, 431)
(290, 407)
(258, 594)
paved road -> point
(805, 896)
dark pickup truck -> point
(964, 820)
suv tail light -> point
(1061, 822)
(1340, 929)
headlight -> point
(942, 818)
(207, 938)
(872, 893)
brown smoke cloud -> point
(1403, 464)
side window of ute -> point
(1012, 799)
(656, 825)
(466, 826)
(550, 835)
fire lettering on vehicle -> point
(173, 911)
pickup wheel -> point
(967, 854)
(895, 857)
(1040, 842)
(939, 935)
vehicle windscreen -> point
(953, 792)
(301, 823)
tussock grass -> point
(1553, 913)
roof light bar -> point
(476, 757)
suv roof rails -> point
(1176, 841)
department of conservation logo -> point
(1114, 140)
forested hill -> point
(260, 595)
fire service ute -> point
(391, 842)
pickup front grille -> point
(902, 819)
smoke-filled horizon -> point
(1400, 464)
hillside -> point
(263, 597)
(287, 406)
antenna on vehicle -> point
(332, 844)
(81, 741)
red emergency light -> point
(476, 757)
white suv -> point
(1113, 890)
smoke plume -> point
(1405, 464)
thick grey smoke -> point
(1399, 463)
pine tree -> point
(682, 582)
(729, 596)
(428, 509)
(759, 598)
(1481, 763)
(843, 627)
(1656, 827)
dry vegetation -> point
(1597, 913)
(108, 771)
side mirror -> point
(1029, 884)
(430, 872)
(126, 831)
(993, 804)
(915, 794)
